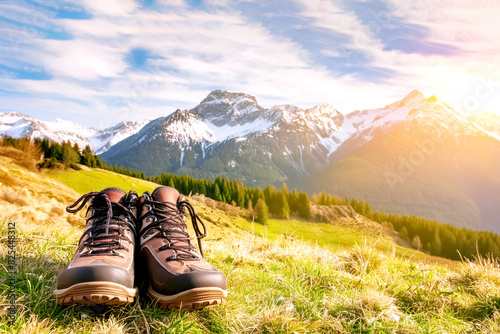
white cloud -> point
(194, 51)
(23, 14)
(469, 27)
(83, 59)
(110, 7)
(172, 3)
(332, 16)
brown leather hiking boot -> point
(102, 269)
(179, 276)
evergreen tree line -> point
(53, 153)
(442, 239)
(279, 203)
(428, 235)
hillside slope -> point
(276, 282)
(417, 169)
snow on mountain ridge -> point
(222, 107)
(223, 116)
(185, 127)
(104, 139)
(17, 125)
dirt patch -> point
(328, 214)
(344, 215)
(83, 167)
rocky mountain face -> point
(425, 159)
(229, 134)
(18, 125)
(414, 156)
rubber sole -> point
(92, 293)
(191, 299)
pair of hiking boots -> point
(126, 233)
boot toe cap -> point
(191, 280)
(95, 273)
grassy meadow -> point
(84, 181)
(288, 277)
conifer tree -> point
(284, 189)
(217, 194)
(69, 156)
(250, 209)
(323, 200)
(170, 183)
(436, 244)
(416, 243)
(304, 206)
(368, 210)
(285, 208)
(293, 201)
(261, 212)
(403, 233)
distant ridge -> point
(394, 157)
(18, 125)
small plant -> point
(360, 260)
(479, 276)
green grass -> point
(275, 286)
(324, 235)
(293, 277)
(84, 181)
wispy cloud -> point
(185, 51)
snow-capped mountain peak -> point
(186, 128)
(322, 109)
(17, 125)
(304, 138)
(102, 140)
(222, 107)
(414, 97)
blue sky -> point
(101, 62)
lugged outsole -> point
(191, 299)
(95, 293)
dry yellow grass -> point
(27, 195)
(480, 276)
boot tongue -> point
(165, 194)
(176, 233)
(114, 194)
(169, 194)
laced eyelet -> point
(172, 257)
(151, 219)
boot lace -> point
(107, 229)
(169, 223)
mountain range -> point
(416, 156)
(18, 125)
